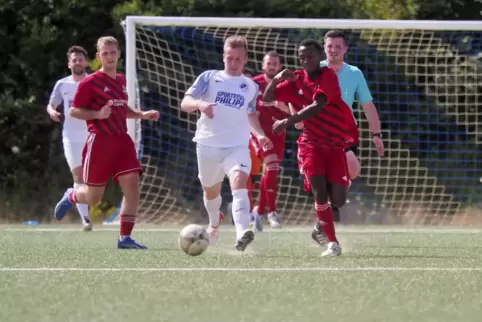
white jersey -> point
(74, 130)
(235, 98)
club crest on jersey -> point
(243, 87)
(229, 99)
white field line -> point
(235, 269)
(341, 229)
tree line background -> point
(34, 37)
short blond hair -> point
(236, 42)
(107, 40)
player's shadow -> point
(375, 256)
(434, 247)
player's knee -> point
(211, 193)
(238, 180)
(353, 164)
(94, 194)
(129, 184)
(270, 159)
(338, 195)
(319, 188)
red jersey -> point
(98, 90)
(334, 126)
(266, 111)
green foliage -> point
(34, 37)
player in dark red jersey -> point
(109, 151)
(268, 186)
(329, 128)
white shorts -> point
(215, 163)
(73, 153)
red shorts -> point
(107, 156)
(326, 162)
(278, 146)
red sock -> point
(271, 184)
(262, 196)
(250, 193)
(127, 223)
(325, 217)
(72, 197)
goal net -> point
(426, 80)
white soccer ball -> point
(193, 239)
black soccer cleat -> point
(336, 213)
(247, 238)
(318, 235)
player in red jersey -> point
(109, 151)
(329, 128)
(268, 186)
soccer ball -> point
(193, 239)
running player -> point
(74, 132)
(227, 102)
(329, 128)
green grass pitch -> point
(60, 274)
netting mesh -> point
(427, 86)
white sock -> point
(212, 207)
(83, 209)
(240, 211)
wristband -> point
(377, 134)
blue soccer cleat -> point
(63, 206)
(129, 243)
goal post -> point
(424, 76)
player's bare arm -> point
(53, 113)
(269, 94)
(374, 123)
(89, 114)
(258, 132)
(309, 111)
(190, 104)
(144, 115)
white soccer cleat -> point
(273, 219)
(87, 227)
(213, 231)
(255, 223)
(334, 249)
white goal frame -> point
(252, 23)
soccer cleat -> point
(334, 249)
(336, 213)
(213, 231)
(87, 225)
(63, 206)
(247, 239)
(273, 219)
(318, 235)
(129, 243)
(256, 220)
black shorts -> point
(353, 148)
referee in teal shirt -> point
(353, 87)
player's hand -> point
(379, 145)
(265, 142)
(105, 111)
(54, 114)
(279, 126)
(152, 115)
(299, 125)
(207, 108)
(285, 75)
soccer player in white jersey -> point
(227, 102)
(74, 132)
(353, 86)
